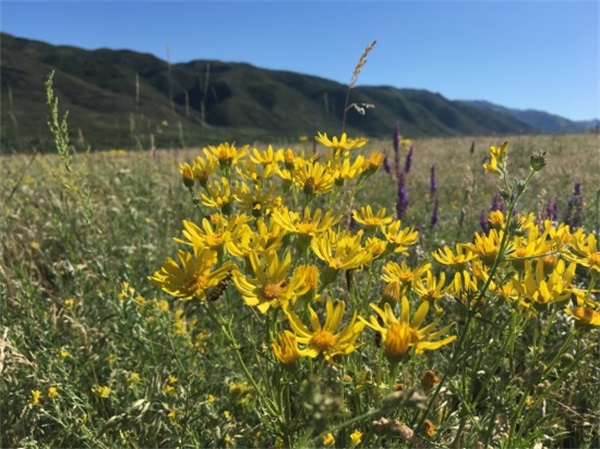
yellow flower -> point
(219, 195)
(372, 221)
(193, 278)
(304, 225)
(133, 379)
(271, 286)
(227, 154)
(52, 393)
(342, 170)
(101, 391)
(585, 315)
(492, 166)
(254, 172)
(457, 261)
(313, 179)
(496, 219)
(401, 335)
(268, 157)
(203, 168)
(398, 238)
(258, 202)
(187, 174)
(324, 339)
(341, 144)
(355, 437)
(35, 396)
(328, 440)
(265, 238)
(63, 354)
(539, 289)
(210, 398)
(584, 251)
(341, 251)
(286, 349)
(69, 303)
(374, 161)
(488, 246)
(500, 153)
(172, 380)
(429, 288)
(400, 278)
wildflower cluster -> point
(272, 239)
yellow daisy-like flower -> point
(341, 251)
(305, 226)
(372, 221)
(325, 339)
(313, 179)
(255, 172)
(539, 289)
(584, 251)
(219, 195)
(400, 238)
(267, 157)
(431, 289)
(266, 237)
(457, 260)
(400, 278)
(227, 154)
(488, 246)
(585, 316)
(286, 349)
(187, 174)
(341, 144)
(193, 276)
(343, 170)
(403, 334)
(101, 391)
(260, 201)
(373, 162)
(271, 286)
(214, 233)
(204, 167)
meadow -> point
(459, 309)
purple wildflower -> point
(432, 182)
(574, 213)
(401, 197)
(497, 204)
(408, 160)
(552, 209)
(435, 218)
(386, 162)
(484, 224)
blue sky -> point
(527, 54)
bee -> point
(218, 290)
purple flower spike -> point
(435, 218)
(432, 182)
(401, 197)
(408, 161)
(386, 162)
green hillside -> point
(120, 98)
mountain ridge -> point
(122, 98)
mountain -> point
(120, 98)
(542, 121)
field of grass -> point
(94, 354)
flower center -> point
(323, 340)
(594, 260)
(271, 291)
(406, 277)
(400, 336)
(194, 284)
(306, 228)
